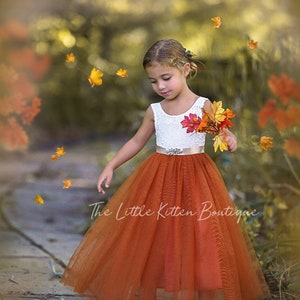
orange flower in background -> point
(253, 44)
(20, 67)
(67, 183)
(284, 88)
(266, 142)
(292, 147)
(39, 200)
(266, 113)
(217, 22)
(70, 58)
(95, 77)
(122, 73)
(13, 134)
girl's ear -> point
(186, 69)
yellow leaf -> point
(95, 77)
(67, 183)
(122, 73)
(219, 143)
(252, 44)
(39, 200)
(217, 22)
(217, 112)
(54, 157)
(266, 142)
(70, 58)
(60, 151)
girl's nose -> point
(161, 85)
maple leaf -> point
(217, 112)
(60, 151)
(67, 183)
(122, 73)
(70, 58)
(190, 122)
(217, 22)
(253, 44)
(54, 157)
(39, 200)
(266, 142)
(95, 77)
(219, 143)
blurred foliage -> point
(113, 34)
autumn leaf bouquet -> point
(212, 121)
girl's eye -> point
(167, 78)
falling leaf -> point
(70, 58)
(67, 183)
(122, 73)
(54, 157)
(252, 44)
(95, 77)
(39, 200)
(217, 21)
(266, 142)
(60, 151)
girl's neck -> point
(180, 104)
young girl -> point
(166, 233)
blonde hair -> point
(171, 53)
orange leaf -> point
(60, 151)
(70, 58)
(122, 73)
(39, 200)
(67, 183)
(95, 77)
(252, 44)
(266, 142)
(54, 157)
(217, 22)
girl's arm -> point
(131, 148)
(227, 135)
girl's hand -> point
(105, 176)
(230, 139)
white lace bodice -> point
(168, 129)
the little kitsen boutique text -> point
(165, 211)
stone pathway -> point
(36, 241)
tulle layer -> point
(169, 232)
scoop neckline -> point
(181, 113)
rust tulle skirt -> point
(169, 232)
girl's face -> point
(166, 81)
